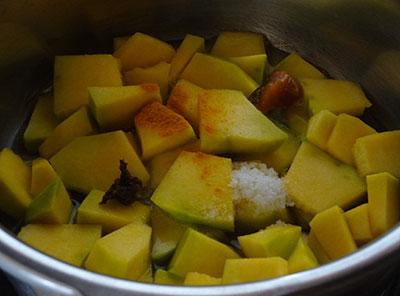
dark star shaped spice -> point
(126, 189)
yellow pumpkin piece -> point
(115, 107)
(52, 206)
(297, 67)
(253, 269)
(302, 258)
(273, 241)
(166, 234)
(333, 233)
(70, 243)
(238, 44)
(41, 124)
(296, 118)
(143, 51)
(383, 201)
(161, 129)
(43, 175)
(74, 74)
(253, 65)
(119, 41)
(316, 181)
(124, 253)
(200, 279)
(229, 123)
(337, 96)
(184, 100)
(160, 164)
(358, 221)
(212, 72)
(77, 125)
(189, 46)
(378, 153)
(199, 184)
(320, 128)
(317, 249)
(157, 74)
(112, 215)
(283, 156)
(279, 159)
(345, 133)
(163, 277)
(15, 184)
(97, 170)
(197, 252)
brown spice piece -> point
(125, 189)
(156, 116)
(281, 90)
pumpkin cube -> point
(143, 51)
(383, 201)
(238, 44)
(189, 46)
(253, 269)
(124, 253)
(297, 67)
(166, 234)
(43, 175)
(77, 125)
(273, 241)
(83, 170)
(320, 128)
(333, 233)
(378, 153)
(115, 107)
(70, 243)
(161, 129)
(184, 99)
(41, 124)
(229, 123)
(317, 249)
(112, 215)
(74, 74)
(297, 119)
(199, 184)
(15, 184)
(279, 159)
(160, 164)
(316, 181)
(211, 72)
(253, 65)
(302, 258)
(157, 74)
(197, 252)
(200, 279)
(52, 206)
(343, 136)
(336, 96)
(358, 221)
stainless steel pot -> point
(358, 40)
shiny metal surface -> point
(358, 40)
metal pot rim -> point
(18, 259)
